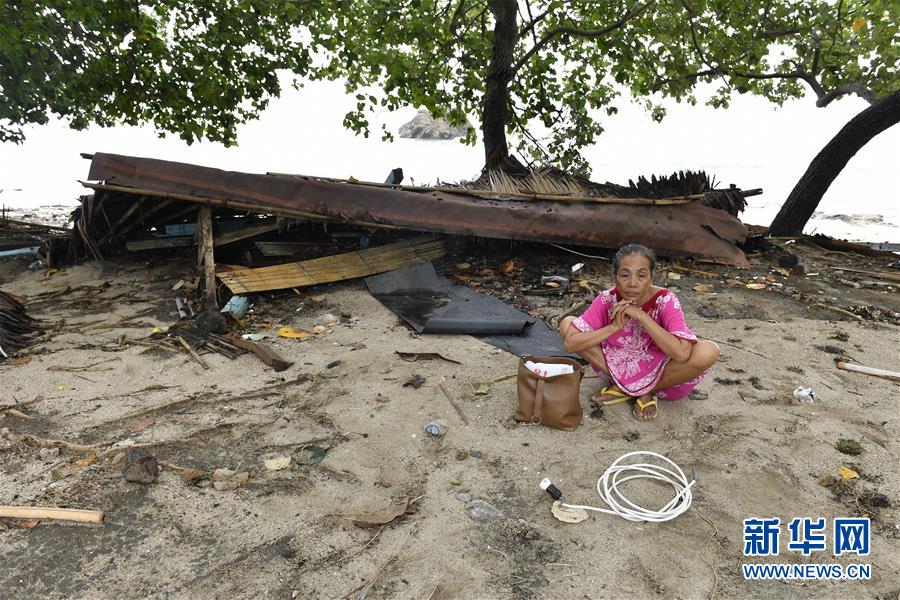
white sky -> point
(752, 144)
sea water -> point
(751, 145)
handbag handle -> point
(538, 402)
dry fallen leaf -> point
(847, 473)
(277, 464)
(783, 271)
(383, 517)
(463, 266)
(19, 523)
(756, 286)
(293, 332)
(673, 276)
(85, 461)
(190, 476)
(704, 288)
(508, 266)
(21, 360)
(568, 515)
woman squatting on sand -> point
(634, 336)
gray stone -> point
(140, 466)
(426, 127)
(482, 510)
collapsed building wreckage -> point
(142, 204)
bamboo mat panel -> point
(329, 269)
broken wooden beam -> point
(264, 352)
(329, 269)
(245, 232)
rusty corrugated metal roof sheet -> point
(674, 230)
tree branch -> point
(576, 32)
(848, 88)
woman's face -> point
(634, 277)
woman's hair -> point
(634, 249)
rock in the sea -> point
(426, 127)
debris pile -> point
(17, 329)
(149, 204)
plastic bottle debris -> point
(555, 280)
(237, 306)
(436, 429)
(805, 395)
(326, 320)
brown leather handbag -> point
(551, 401)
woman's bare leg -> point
(703, 355)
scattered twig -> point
(738, 347)
(85, 367)
(19, 413)
(193, 353)
(363, 590)
(360, 551)
(453, 403)
(841, 311)
(18, 405)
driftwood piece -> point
(454, 404)
(49, 512)
(265, 353)
(879, 274)
(890, 375)
(840, 311)
(140, 466)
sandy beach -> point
(479, 526)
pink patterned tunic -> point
(635, 362)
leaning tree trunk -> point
(828, 164)
(499, 75)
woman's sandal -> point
(618, 396)
(642, 405)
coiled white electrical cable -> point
(608, 488)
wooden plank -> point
(878, 274)
(244, 233)
(333, 268)
(181, 241)
(205, 254)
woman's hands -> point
(624, 310)
(619, 313)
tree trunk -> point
(499, 74)
(828, 164)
